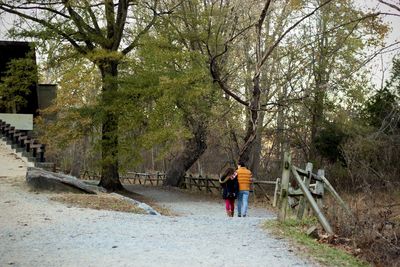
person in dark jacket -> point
(230, 186)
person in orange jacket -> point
(245, 179)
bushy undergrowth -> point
(371, 161)
(321, 252)
(369, 180)
(374, 230)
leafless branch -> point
(276, 43)
(390, 14)
(390, 5)
(45, 23)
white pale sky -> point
(380, 66)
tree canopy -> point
(251, 78)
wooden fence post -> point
(303, 202)
(199, 181)
(277, 185)
(253, 191)
(185, 178)
(319, 188)
(283, 199)
(212, 185)
(324, 222)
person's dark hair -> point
(228, 172)
(242, 163)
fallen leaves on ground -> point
(98, 202)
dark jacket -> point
(230, 188)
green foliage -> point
(341, 35)
(20, 75)
(371, 152)
(394, 82)
(380, 107)
(349, 34)
(329, 140)
(163, 86)
(171, 86)
(383, 108)
(72, 120)
(160, 90)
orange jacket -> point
(244, 178)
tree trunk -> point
(321, 82)
(194, 148)
(109, 133)
(234, 150)
(77, 159)
(317, 120)
(252, 125)
(256, 153)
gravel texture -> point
(35, 231)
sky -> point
(380, 66)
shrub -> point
(374, 230)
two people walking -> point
(236, 185)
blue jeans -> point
(242, 204)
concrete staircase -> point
(26, 147)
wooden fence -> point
(310, 192)
(204, 184)
(143, 178)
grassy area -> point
(322, 253)
(98, 202)
(104, 201)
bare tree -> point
(262, 53)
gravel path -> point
(37, 232)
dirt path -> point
(185, 204)
(37, 232)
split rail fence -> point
(204, 184)
(310, 192)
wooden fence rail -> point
(154, 179)
(205, 184)
(310, 195)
